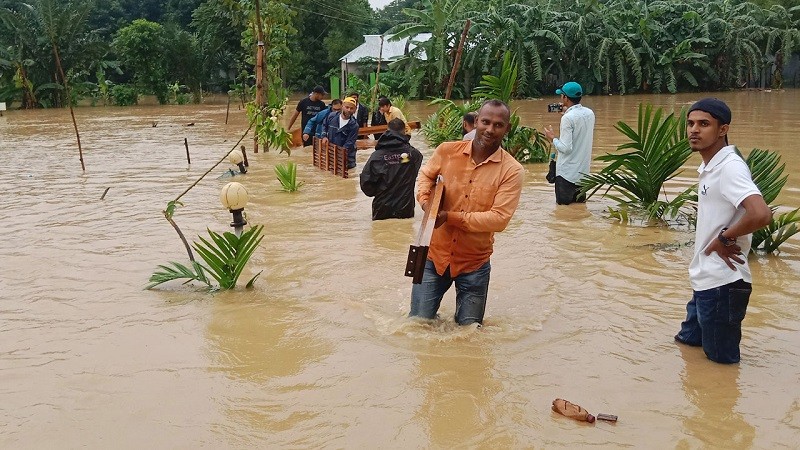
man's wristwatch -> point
(727, 242)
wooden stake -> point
(69, 102)
(228, 108)
(186, 144)
(244, 155)
(457, 60)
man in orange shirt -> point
(483, 183)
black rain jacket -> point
(389, 177)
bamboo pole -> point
(186, 144)
(69, 102)
(457, 61)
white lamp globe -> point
(235, 157)
(233, 196)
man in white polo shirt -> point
(574, 147)
(729, 208)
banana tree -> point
(18, 58)
(783, 38)
(520, 29)
(736, 31)
(440, 18)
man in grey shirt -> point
(574, 147)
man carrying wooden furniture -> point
(483, 185)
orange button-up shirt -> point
(480, 200)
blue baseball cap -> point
(571, 89)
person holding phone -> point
(574, 146)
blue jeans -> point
(714, 321)
(471, 291)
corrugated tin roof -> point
(371, 48)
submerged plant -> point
(224, 256)
(768, 176)
(287, 175)
(659, 149)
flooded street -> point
(320, 353)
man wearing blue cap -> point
(574, 147)
(729, 209)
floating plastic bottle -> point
(572, 410)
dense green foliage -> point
(152, 45)
(611, 46)
(207, 45)
(526, 144)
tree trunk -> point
(28, 97)
(259, 69)
(457, 60)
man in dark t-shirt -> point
(308, 108)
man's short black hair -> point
(384, 101)
(495, 102)
(397, 125)
(336, 101)
(575, 100)
(470, 117)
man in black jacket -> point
(378, 119)
(390, 173)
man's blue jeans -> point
(471, 291)
(714, 321)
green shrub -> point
(124, 95)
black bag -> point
(551, 172)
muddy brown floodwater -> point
(319, 353)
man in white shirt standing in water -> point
(574, 147)
(729, 209)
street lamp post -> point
(237, 159)
(234, 199)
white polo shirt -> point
(723, 184)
